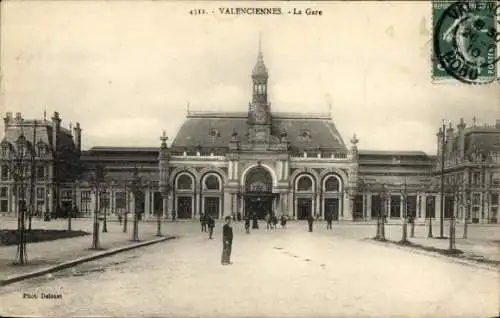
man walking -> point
(247, 224)
(211, 225)
(227, 242)
(203, 221)
(329, 219)
(310, 220)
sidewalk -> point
(483, 243)
(51, 253)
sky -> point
(126, 70)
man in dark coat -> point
(329, 219)
(211, 225)
(310, 221)
(227, 242)
(203, 221)
(247, 224)
(255, 224)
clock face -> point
(260, 115)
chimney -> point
(461, 138)
(449, 139)
(78, 137)
(19, 118)
(56, 127)
(7, 119)
(439, 143)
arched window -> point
(184, 182)
(332, 184)
(212, 182)
(304, 184)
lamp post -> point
(105, 223)
(127, 207)
(404, 238)
(97, 186)
(466, 217)
(381, 215)
(136, 185)
(428, 212)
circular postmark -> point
(466, 39)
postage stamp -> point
(465, 40)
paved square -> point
(286, 273)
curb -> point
(462, 261)
(81, 260)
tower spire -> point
(260, 44)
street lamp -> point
(96, 182)
(404, 193)
(136, 186)
(127, 207)
(106, 204)
(428, 212)
(381, 214)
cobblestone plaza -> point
(281, 273)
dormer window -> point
(41, 150)
(305, 134)
(213, 132)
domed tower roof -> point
(260, 69)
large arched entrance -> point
(258, 192)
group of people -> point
(208, 222)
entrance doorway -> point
(184, 207)
(304, 208)
(211, 207)
(332, 208)
(258, 204)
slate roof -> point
(44, 133)
(485, 140)
(195, 131)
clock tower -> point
(259, 112)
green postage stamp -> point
(465, 40)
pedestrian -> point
(203, 221)
(238, 215)
(274, 220)
(247, 224)
(174, 215)
(268, 221)
(310, 221)
(211, 225)
(329, 219)
(120, 218)
(255, 221)
(283, 221)
(227, 242)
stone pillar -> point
(170, 205)
(147, 204)
(423, 205)
(234, 203)
(318, 206)
(346, 210)
(401, 207)
(227, 210)
(242, 205)
(198, 206)
(369, 205)
(437, 206)
(164, 205)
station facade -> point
(258, 161)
